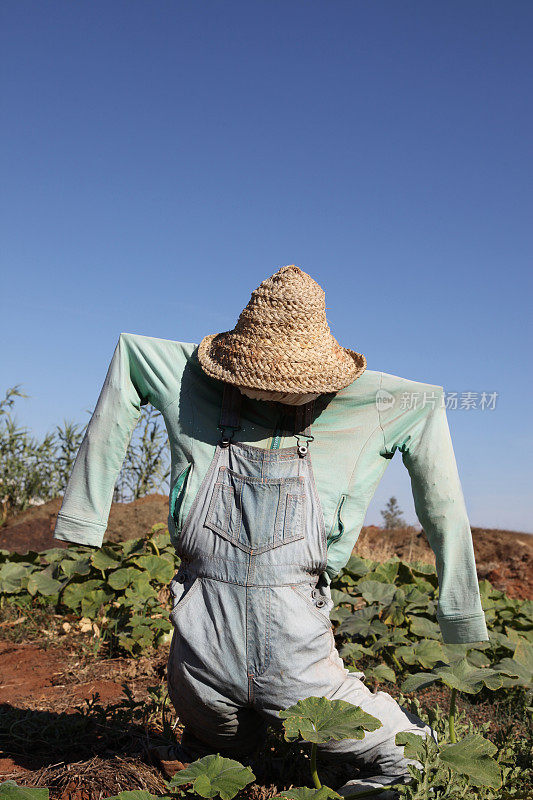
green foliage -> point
(34, 470)
(319, 720)
(214, 775)
(9, 790)
(118, 587)
(305, 793)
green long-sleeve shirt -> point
(356, 434)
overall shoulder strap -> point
(298, 419)
(230, 413)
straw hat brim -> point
(224, 357)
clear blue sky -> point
(160, 158)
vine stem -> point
(451, 717)
(314, 773)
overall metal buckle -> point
(303, 448)
(225, 439)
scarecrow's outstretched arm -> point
(143, 369)
(423, 437)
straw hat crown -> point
(282, 341)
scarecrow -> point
(279, 437)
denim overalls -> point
(252, 633)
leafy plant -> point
(214, 775)
(318, 720)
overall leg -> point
(312, 667)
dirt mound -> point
(505, 558)
(34, 528)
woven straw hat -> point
(282, 341)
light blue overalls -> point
(252, 633)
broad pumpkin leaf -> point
(362, 623)
(472, 756)
(520, 665)
(158, 568)
(414, 597)
(343, 597)
(382, 673)
(14, 576)
(105, 558)
(214, 775)
(387, 572)
(9, 790)
(355, 650)
(415, 744)
(426, 652)
(305, 793)
(41, 582)
(123, 576)
(377, 591)
(461, 676)
(358, 566)
(318, 720)
(421, 626)
(78, 566)
(75, 592)
(93, 601)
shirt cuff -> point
(79, 531)
(463, 630)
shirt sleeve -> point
(87, 499)
(422, 436)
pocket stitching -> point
(217, 492)
(185, 599)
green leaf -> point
(9, 790)
(305, 793)
(461, 676)
(421, 626)
(43, 583)
(426, 652)
(358, 567)
(419, 680)
(377, 592)
(158, 568)
(472, 757)
(342, 597)
(415, 745)
(13, 576)
(75, 592)
(363, 623)
(387, 572)
(122, 577)
(105, 558)
(520, 665)
(318, 720)
(78, 566)
(355, 650)
(214, 775)
(93, 601)
(382, 673)
(466, 678)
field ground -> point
(82, 724)
(54, 735)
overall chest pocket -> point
(257, 514)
